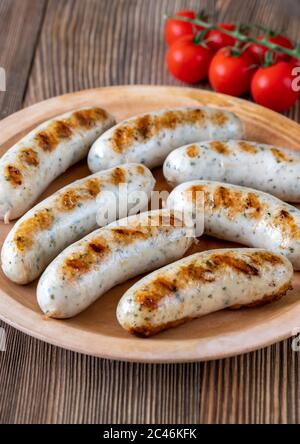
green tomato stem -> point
(237, 34)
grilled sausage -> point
(150, 137)
(63, 218)
(35, 161)
(255, 165)
(201, 284)
(242, 215)
(108, 256)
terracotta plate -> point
(96, 331)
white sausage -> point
(65, 217)
(201, 284)
(150, 137)
(35, 161)
(255, 165)
(243, 215)
(105, 258)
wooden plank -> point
(20, 22)
(97, 43)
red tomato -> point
(258, 51)
(217, 39)
(294, 62)
(175, 29)
(231, 74)
(188, 61)
(272, 87)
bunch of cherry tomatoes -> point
(231, 68)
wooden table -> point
(49, 47)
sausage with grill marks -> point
(203, 283)
(242, 215)
(256, 165)
(149, 138)
(65, 217)
(49, 150)
(107, 257)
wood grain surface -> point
(50, 47)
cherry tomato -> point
(217, 39)
(231, 74)
(188, 61)
(258, 51)
(272, 87)
(176, 29)
(294, 62)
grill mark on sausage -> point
(261, 257)
(235, 263)
(252, 202)
(236, 203)
(143, 128)
(140, 170)
(199, 271)
(61, 129)
(192, 151)
(285, 221)
(148, 330)
(153, 292)
(58, 130)
(72, 197)
(87, 118)
(13, 175)
(29, 157)
(193, 191)
(220, 147)
(247, 147)
(164, 219)
(47, 140)
(25, 233)
(93, 187)
(280, 156)
(125, 235)
(80, 263)
(118, 176)
(219, 118)
(69, 200)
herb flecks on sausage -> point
(265, 299)
(143, 128)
